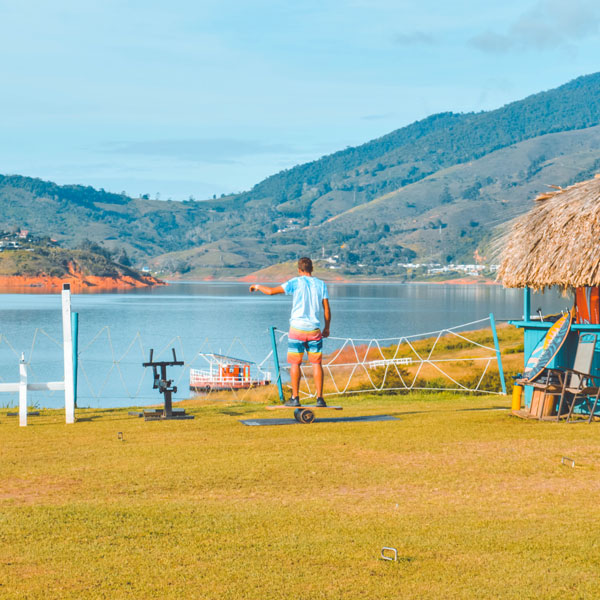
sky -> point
(198, 98)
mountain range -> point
(437, 190)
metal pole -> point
(498, 356)
(168, 410)
(75, 336)
(276, 361)
(68, 354)
(22, 392)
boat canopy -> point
(221, 359)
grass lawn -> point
(476, 502)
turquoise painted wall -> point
(534, 331)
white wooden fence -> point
(23, 386)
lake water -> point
(116, 331)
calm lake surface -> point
(116, 331)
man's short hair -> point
(305, 265)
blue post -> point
(527, 304)
(276, 361)
(498, 356)
(75, 335)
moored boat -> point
(227, 373)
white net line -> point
(406, 363)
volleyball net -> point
(464, 358)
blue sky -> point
(206, 97)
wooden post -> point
(22, 392)
(68, 355)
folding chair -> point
(579, 385)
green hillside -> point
(73, 213)
(409, 154)
(31, 259)
(435, 190)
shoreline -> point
(43, 284)
(248, 279)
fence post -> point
(276, 361)
(68, 354)
(498, 355)
(75, 335)
(22, 392)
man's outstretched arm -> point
(326, 317)
(265, 289)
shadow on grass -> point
(237, 412)
(366, 418)
(481, 408)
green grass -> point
(476, 502)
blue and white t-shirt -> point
(309, 293)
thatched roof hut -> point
(557, 243)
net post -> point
(498, 355)
(276, 361)
(68, 354)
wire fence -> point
(110, 372)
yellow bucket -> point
(516, 397)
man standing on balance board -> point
(309, 295)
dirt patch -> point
(30, 491)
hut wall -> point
(534, 331)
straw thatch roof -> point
(557, 243)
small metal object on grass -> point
(565, 459)
(393, 558)
(120, 436)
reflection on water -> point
(208, 316)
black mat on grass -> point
(368, 418)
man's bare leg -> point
(295, 377)
(318, 375)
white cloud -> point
(547, 24)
